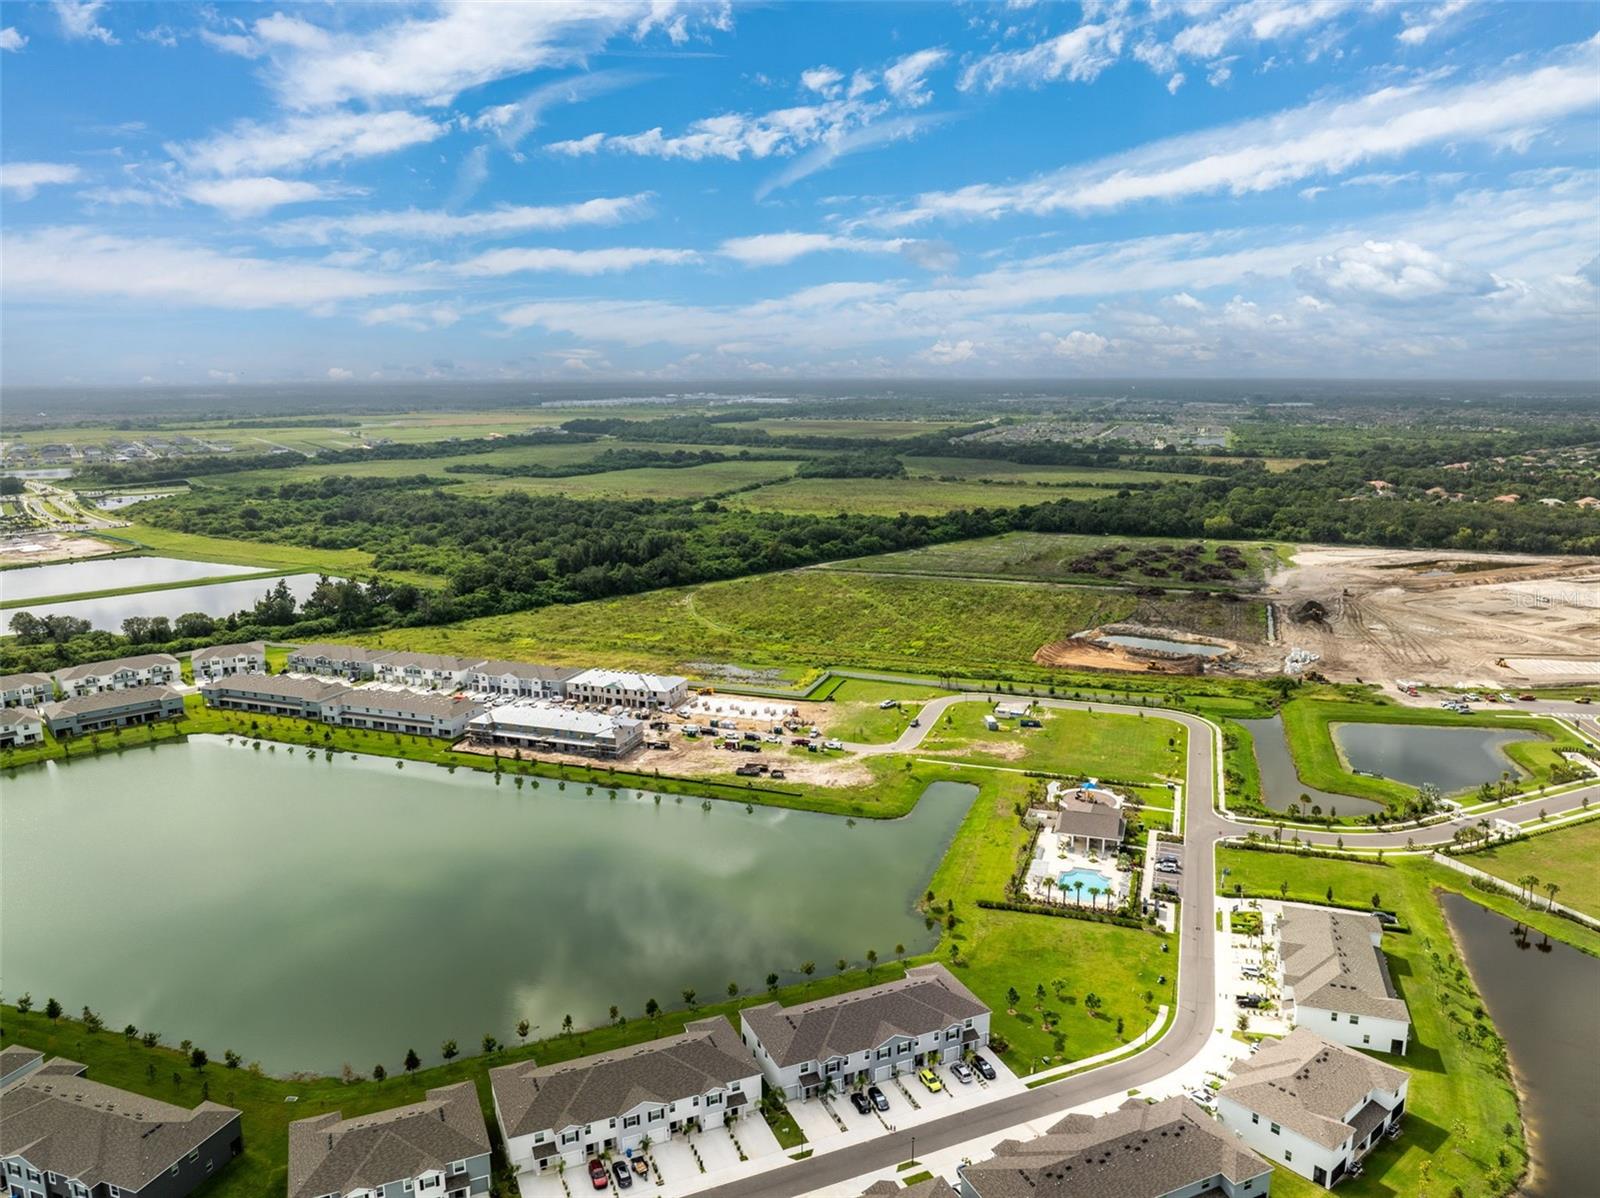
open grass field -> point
(261, 554)
(1076, 744)
(1055, 557)
(812, 618)
(854, 712)
(891, 496)
(1459, 1090)
(1570, 858)
(971, 469)
(653, 482)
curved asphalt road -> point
(1195, 1017)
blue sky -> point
(654, 190)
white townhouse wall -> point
(345, 661)
(20, 726)
(611, 1102)
(544, 727)
(521, 678)
(26, 690)
(437, 671)
(1334, 970)
(277, 694)
(619, 688)
(926, 1017)
(150, 669)
(1315, 1106)
(437, 1148)
(220, 661)
(402, 711)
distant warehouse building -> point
(404, 711)
(546, 728)
(616, 688)
(100, 710)
(149, 669)
(20, 726)
(219, 661)
(521, 678)
(26, 690)
(277, 694)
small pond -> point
(111, 503)
(70, 578)
(1542, 996)
(1280, 781)
(214, 599)
(308, 912)
(1453, 759)
(1162, 645)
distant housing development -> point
(1169, 1149)
(220, 661)
(150, 669)
(26, 690)
(97, 711)
(345, 661)
(437, 1148)
(1316, 1106)
(614, 1101)
(64, 1136)
(926, 1017)
(1335, 973)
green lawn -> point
(891, 496)
(264, 555)
(854, 711)
(1461, 1096)
(1570, 858)
(1072, 743)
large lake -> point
(70, 578)
(1542, 996)
(214, 599)
(308, 912)
(1452, 759)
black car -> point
(859, 1101)
(619, 1170)
(985, 1070)
(1251, 1000)
(878, 1099)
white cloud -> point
(1396, 272)
(495, 222)
(840, 145)
(420, 317)
(80, 21)
(1173, 84)
(339, 374)
(1078, 56)
(1076, 344)
(1423, 23)
(573, 262)
(1220, 72)
(778, 249)
(945, 353)
(22, 180)
(81, 261)
(305, 140)
(1184, 300)
(253, 194)
(906, 78)
(1321, 138)
(513, 122)
(11, 40)
(824, 81)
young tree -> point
(808, 967)
(52, 1010)
(413, 1061)
(566, 1025)
(379, 1073)
(25, 1003)
(523, 1026)
(198, 1059)
(733, 988)
(490, 1044)
(772, 982)
(652, 1008)
(449, 1050)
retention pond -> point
(1280, 781)
(214, 599)
(69, 578)
(309, 912)
(1453, 759)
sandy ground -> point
(51, 547)
(1444, 618)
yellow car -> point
(930, 1079)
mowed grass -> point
(855, 712)
(1049, 476)
(1461, 1099)
(1570, 858)
(809, 618)
(1072, 743)
(892, 496)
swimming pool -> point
(1088, 877)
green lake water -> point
(308, 913)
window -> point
(406, 1185)
(1333, 1016)
(1276, 1130)
(195, 1155)
(458, 1166)
(1355, 1019)
(713, 1099)
(630, 1121)
(569, 1137)
(1366, 1039)
(1254, 1118)
(1288, 1154)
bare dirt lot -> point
(36, 548)
(1442, 617)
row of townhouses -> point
(1335, 979)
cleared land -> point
(1071, 743)
(891, 496)
(1568, 858)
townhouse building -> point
(386, 710)
(619, 688)
(98, 711)
(26, 690)
(277, 694)
(437, 1148)
(613, 1102)
(16, 1061)
(342, 661)
(64, 1136)
(1313, 1105)
(521, 678)
(122, 673)
(435, 671)
(1336, 979)
(220, 661)
(1169, 1149)
(20, 726)
(548, 728)
(926, 1017)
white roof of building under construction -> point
(550, 717)
(623, 680)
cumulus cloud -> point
(1391, 272)
(252, 195)
(825, 81)
(945, 353)
(22, 180)
(1077, 56)
(339, 374)
(80, 21)
(1076, 344)
(11, 40)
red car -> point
(597, 1173)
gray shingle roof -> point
(15, 1056)
(64, 1123)
(934, 1187)
(1140, 1151)
(101, 668)
(408, 702)
(10, 716)
(106, 700)
(1310, 1084)
(11, 682)
(333, 1155)
(1330, 961)
(279, 686)
(257, 648)
(427, 661)
(337, 652)
(1080, 817)
(522, 669)
(928, 998)
(707, 1055)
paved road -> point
(1196, 1015)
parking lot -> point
(833, 1122)
(1166, 868)
(675, 1161)
(1247, 965)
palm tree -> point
(1077, 885)
(1553, 889)
(1094, 897)
(1533, 885)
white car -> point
(833, 744)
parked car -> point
(1029, 722)
(839, 744)
(918, 723)
(930, 1079)
(1527, 698)
(1582, 699)
(962, 1072)
(619, 1170)
(878, 1098)
(777, 775)
(597, 1173)
(985, 1070)
(859, 1101)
